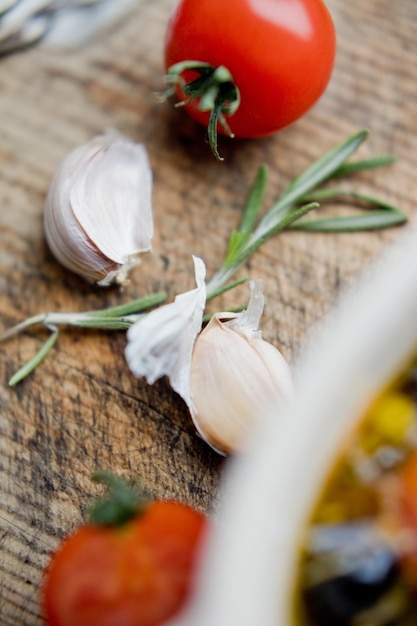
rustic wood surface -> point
(82, 409)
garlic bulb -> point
(98, 211)
(236, 376)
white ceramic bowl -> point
(249, 565)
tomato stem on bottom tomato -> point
(122, 502)
(213, 89)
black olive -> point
(368, 570)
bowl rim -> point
(248, 566)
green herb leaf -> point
(366, 221)
(226, 287)
(385, 217)
(283, 223)
(103, 323)
(134, 306)
(254, 201)
(322, 169)
(35, 360)
(347, 169)
(250, 214)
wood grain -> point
(82, 409)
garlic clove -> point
(236, 376)
(98, 211)
(161, 342)
(99, 187)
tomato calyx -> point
(214, 90)
(123, 501)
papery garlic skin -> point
(98, 212)
(161, 342)
(235, 378)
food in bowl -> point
(358, 565)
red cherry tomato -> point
(408, 484)
(407, 510)
(138, 573)
(280, 54)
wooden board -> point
(81, 409)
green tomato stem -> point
(214, 91)
(122, 502)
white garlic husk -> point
(98, 213)
(236, 376)
(161, 342)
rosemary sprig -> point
(299, 197)
(113, 318)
